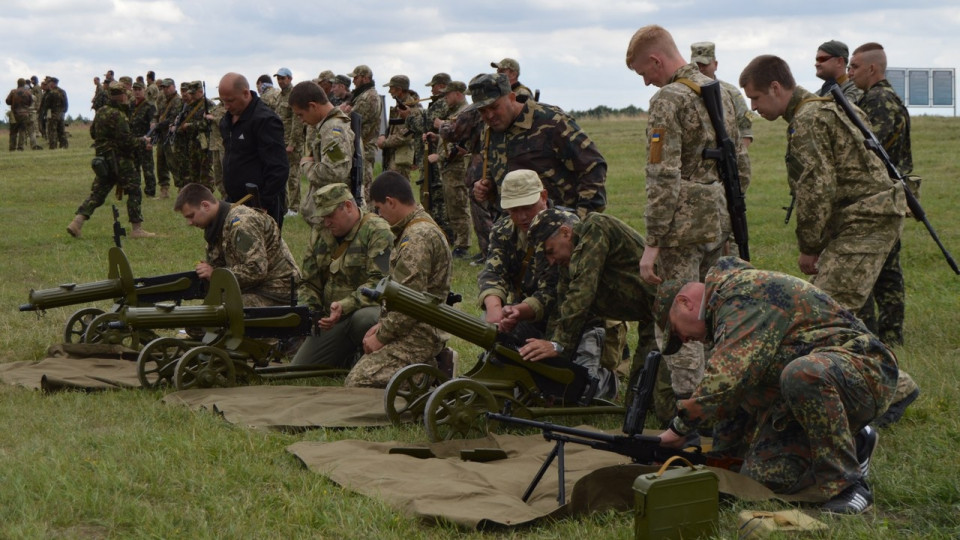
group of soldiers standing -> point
(37, 110)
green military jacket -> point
(890, 122)
(332, 151)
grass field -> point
(121, 464)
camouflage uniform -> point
(247, 242)
(399, 147)
(420, 122)
(37, 94)
(521, 91)
(141, 114)
(20, 100)
(55, 103)
(152, 94)
(421, 260)
(890, 122)
(166, 157)
(686, 214)
(272, 97)
(366, 103)
(332, 151)
(456, 194)
(742, 112)
(792, 376)
(849, 89)
(469, 129)
(195, 132)
(216, 148)
(116, 145)
(333, 271)
(849, 212)
(545, 139)
(293, 137)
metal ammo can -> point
(677, 503)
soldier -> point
(453, 159)
(366, 102)
(420, 259)
(195, 128)
(269, 94)
(152, 92)
(56, 105)
(420, 122)
(330, 153)
(703, 54)
(831, 66)
(598, 259)
(793, 375)
(179, 140)
(20, 99)
(352, 250)
(243, 240)
(162, 123)
(511, 68)
(468, 132)
(339, 90)
(293, 138)
(141, 115)
(687, 224)
(37, 92)
(398, 143)
(216, 146)
(538, 137)
(113, 164)
(42, 111)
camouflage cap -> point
(521, 187)
(166, 82)
(361, 70)
(195, 86)
(835, 48)
(546, 223)
(507, 63)
(703, 52)
(487, 88)
(454, 86)
(139, 84)
(342, 79)
(327, 76)
(439, 78)
(400, 81)
(126, 79)
(185, 86)
(330, 196)
(116, 88)
(666, 293)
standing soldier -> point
(196, 129)
(268, 93)
(141, 114)
(152, 92)
(113, 164)
(56, 106)
(366, 102)
(37, 92)
(511, 68)
(293, 138)
(703, 54)
(19, 99)
(42, 110)
(166, 114)
(453, 159)
(216, 145)
(398, 143)
(420, 122)
(180, 140)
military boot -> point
(164, 192)
(138, 231)
(74, 227)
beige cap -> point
(520, 188)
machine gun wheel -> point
(408, 391)
(205, 367)
(158, 361)
(78, 323)
(99, 331)
(457, 409)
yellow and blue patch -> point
(404, 241)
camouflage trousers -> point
(181, 149)
(890, 297)
(338, 346)
(169, 167)
(128, 180)
(456, 200)
(216, 171)
(143, 161)
(849, 265)
(369, 157)
(807, 440)
(255, 299)
(197, 166)
(375, 369)
(56, 136)
(293, 180)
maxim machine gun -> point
(225, 337)
(500, 381)
(90, 324)
(643, 449)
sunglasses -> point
(824, 58)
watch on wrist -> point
(557, 347)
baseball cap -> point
(283, 72)
(487, 88)
(330, 196)
(342, 79)
(507, 63)
(703, 52)
(546, 223)
(361, 70)
(439, 78)
(400, 81)
(454, 86)
(166, 82)
(521, 187)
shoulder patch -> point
(656, 145)
(404, 241)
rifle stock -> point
(871, 142)
(356, 165)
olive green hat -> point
(329, 197)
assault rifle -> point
(118, 229)
(871, 142)
(643, 449)
(726, 156)
(356, 164)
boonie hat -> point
(454, 86)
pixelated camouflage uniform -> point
(366, 103)
(293, 137)
(793, 375)
(545, 139)
(247, 242)
(741, 111)
(141, 114)
(216, 148)
(849, 211)
(271, 96)
(420, 259)
(334, 269)
(332, 151)
(166, 157)
(37, 94)
(453, 167)
(55, 104)
(115, 144)
(890, 122)
(400, 146)
(152, 93)
(686, 213)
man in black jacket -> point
(254, 151)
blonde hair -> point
(650, 38)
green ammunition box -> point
(676, 503)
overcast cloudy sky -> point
(573, 51)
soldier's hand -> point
(538, 349)
(290, 149)
(808, 264)
(671, 439)
(481, 189)
(437, 123)
(370, 341)
(380, 140)
(346, 107)
(336, 312)
(511, 316)
(204, 270)
(648, 265)
(433, 158)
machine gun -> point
(118, 229)
(643, 449)
(726, 156)
(871, 142)
(356, 163)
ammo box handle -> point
(667, 463)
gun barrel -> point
(71, 293)
(169, 316)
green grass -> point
(121, 464)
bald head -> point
(235, 93)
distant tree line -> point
(602, 111)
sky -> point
(572, 51)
